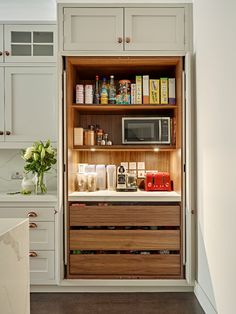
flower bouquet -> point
(39, 159)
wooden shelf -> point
(134, 148)
(119, 108)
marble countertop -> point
(8, 224)
(139, 196)
(45, 198)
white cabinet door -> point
(93, 29)
(30, 43)
(42, 235)
(1, 43)
(30, 107)
(1, 104)
(154, 29)
(33, 213)
(41, 266)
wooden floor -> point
(115, 303)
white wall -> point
(215, 43)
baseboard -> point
(204, 300)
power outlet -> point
(16, 176)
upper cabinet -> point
(159, 28)
(1, 43)
(28, 43)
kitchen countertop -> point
(139, 196)
(32, 198)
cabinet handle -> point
(7, 53)
(0, 53)
(33, 254)
(119, 40)
(32, 214)
(127, 40)
(1, 132)
(33, 225)
(8, 133)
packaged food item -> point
(82, 182)
(81, 168)
(99, 135)
(92, 181)
(112, 91)
(154, 92)
(133, 92)
(90, 168)
(145, 89)
(171, 82)
(96, 92)
(104, 93)
(89, 137)
(78, 136)
(139, 92)
(164, 91)
(101, 177)
(88, 94)
(123, 96)
(79, 89)
(111, 177)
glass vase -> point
(40, 183)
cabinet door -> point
(30, 43)
(30, 104)
(41, 267)
(93, 29)
(1, 43)
(1, 104)
(42, 235)
(154, 29)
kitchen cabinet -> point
(143, 29)
(2, 128)
(1, 43)
(30, 104)
(42, 239)
(29, 43)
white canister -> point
(111, 177)
(101, 177)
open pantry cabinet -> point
(121, 235)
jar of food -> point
(81, 182)
(123, 96)
(89, 137)
(99, 136)
(92, 181)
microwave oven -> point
(146, 130)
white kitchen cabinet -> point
(1, 43)
(30, 105)
(29, 43)
(143, 29)
(42, 269)
(93, 29)
(42, 235)
(1, 104)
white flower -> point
(28, 153)
(49, 150)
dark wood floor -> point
(115, 303)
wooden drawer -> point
(124, 240)
(42, 235)
(42, 267)
(125, 215)
(125, 264)
(34, 214)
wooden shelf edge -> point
(117, 107)
(144, 148)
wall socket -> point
(16, 175)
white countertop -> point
(48, 197)
(7, 224)
(139, 196)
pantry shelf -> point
(119, 108)
(125, 148)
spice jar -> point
(123, 96)
(89, 137)
(99, 136)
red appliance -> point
(157, 181)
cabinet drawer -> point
(125, 215)
(34, 213)
(42, 267)
(125, 264)
(42, 236)
(124, 240)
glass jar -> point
(99, 136)
(123, 95)
(92, 181)
(81, 182)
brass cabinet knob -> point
(0, 53)
(7, 53)
(32, 214)
(119, 40)
(1, 132)
(127, 40)
(8, 133)
(33, 254)
(33, 225)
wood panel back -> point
(125, 215)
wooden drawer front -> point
(34, 214)
(124, 240)
(125, 215)
(125, 264)
(42, 267)
(42, 236)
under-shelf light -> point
(156, 149)
(92, 149)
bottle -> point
(112, 91)
(96, 93)
(104, 92)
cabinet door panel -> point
(30, 103)
(1, 104)
(20, 40)
(154, 28)
(42, 267)
(42, 236)
(93, 29)
(1, 43)
(33, 213)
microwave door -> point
(137, 132)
